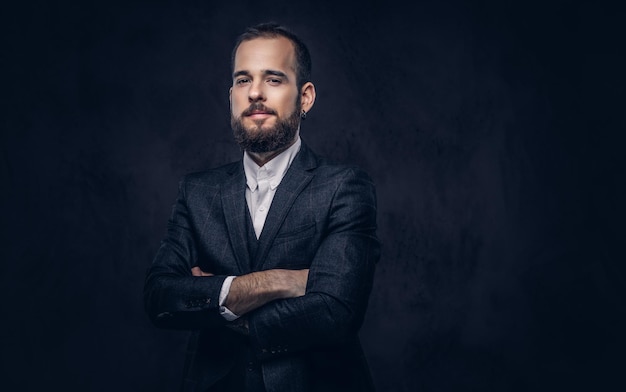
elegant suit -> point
(322, 217)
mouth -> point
(257, 112)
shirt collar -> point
(274, 170)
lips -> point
(257, 110)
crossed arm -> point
(251, 291)
(280, 315)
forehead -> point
(265, 53)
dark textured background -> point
(493, 130)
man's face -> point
(264, 98)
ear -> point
(307, 95)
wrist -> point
(278, 284)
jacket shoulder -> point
(209, 177)
(331, 169)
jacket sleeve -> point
(339, 283)
(173, 298)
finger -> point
(196, 271)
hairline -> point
(300, 51)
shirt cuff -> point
(224, 311)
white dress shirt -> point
(262, 182)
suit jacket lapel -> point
(296, 179)
(235, 214)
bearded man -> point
(270, 259)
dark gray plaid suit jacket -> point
(322, 217)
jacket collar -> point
(236, 212)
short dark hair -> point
(273, 30)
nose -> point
(255, 94)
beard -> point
(261, 139)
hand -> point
(248, 292)
(294, 281)
(196, 271)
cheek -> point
(237, 104)
(286, 105)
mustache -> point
(257, 107)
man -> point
(276, 295)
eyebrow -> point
(265, 72)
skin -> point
(264, 72)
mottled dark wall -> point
(493, 131)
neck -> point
(261, 158)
